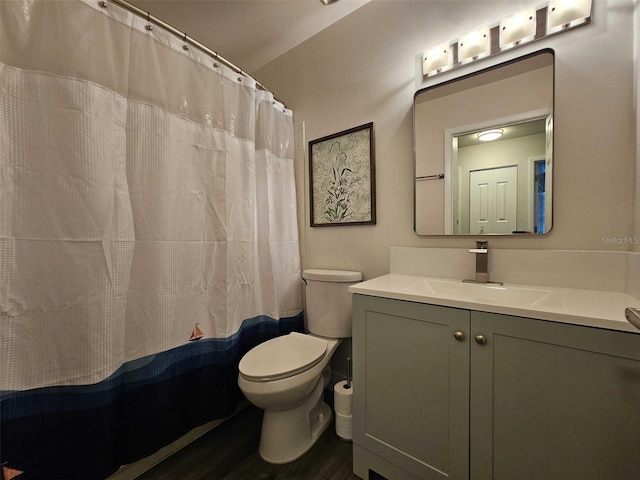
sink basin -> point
(486, 293)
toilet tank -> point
(328, 301)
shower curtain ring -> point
(148, 27)
(185, 46)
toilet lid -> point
(282, 357)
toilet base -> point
(288, 434)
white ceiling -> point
(249, 33)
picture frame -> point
(342, 178)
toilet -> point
(286, 376)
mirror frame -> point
(442, 176)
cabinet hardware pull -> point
(459, 336)
(481, 339)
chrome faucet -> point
(482, 262)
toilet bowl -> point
(286, 376)
(291, 395)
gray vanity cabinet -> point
(411, 390)
(448, 393)
(553, 401)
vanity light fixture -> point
(437, 60)
(489, 135)
(474, 45)
(562, 14)
(528, 25)
(518, 28)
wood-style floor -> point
(230, 452)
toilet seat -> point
(282, 357)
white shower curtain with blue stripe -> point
(148, 235)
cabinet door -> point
(411, 387)
(553, 401)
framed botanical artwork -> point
(342, 178)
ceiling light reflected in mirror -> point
(490, 135)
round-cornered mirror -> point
(483, 146)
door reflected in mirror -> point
(484, 151)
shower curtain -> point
(148, 236)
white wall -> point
(364, 69)
(636, 59)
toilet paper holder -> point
(343, 407)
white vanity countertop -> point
(592, 308)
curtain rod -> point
(183, 36)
